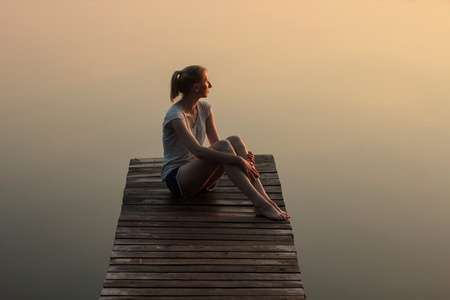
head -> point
(188, 80)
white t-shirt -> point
(175, 153)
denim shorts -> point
(172, 182)
(174, 186)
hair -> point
(183, 80)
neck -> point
(187, 103)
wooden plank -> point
(259, 158)
(201, 245)
(128, 215)
(263, 176)
(155, 182)
(210, 246)
(191, 208)
(205, 197)
(204, 268)
(154, 169)
(213, 202)
(205, 254)
(188, 247)
(202, 284)
(205, 230)
(202, 261)
(223, 189)
(205, 276)
(204, 237)
(202, 291)
(138, 223)
(228, 297)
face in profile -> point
(204, 86)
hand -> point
(248, 168)
(251, 156)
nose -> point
(209, 84)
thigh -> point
(215, 177)
(197, 174)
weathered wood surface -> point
(210, 246)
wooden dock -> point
(210, 246)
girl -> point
(188, 166)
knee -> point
(235, 140)
(224, 146)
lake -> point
(351, 98)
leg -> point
(241, 150)
(215, 177)
(197, 173)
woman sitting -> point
(189, 167)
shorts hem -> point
(178, 183)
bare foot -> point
(274, 205)
(268, 211)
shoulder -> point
(173, 113)
(174, 110)
(204, 107)
(203, 104)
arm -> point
(198, 150)
(213, 135)
(211, 131)
(188, 140)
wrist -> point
(234, 160)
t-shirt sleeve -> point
(172, 114)
(205, 108)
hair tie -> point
(179, 72)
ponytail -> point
(183, 80)
(174, 86)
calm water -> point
(351, 97)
